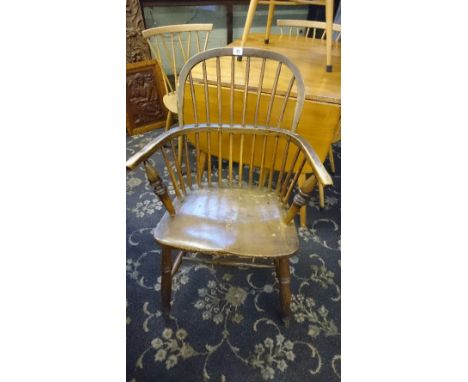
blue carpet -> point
(224, 323)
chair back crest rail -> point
(254, 170)
(173, 45)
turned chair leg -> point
(331, 159)
(303, 210)
(284, 278)
(166, 279)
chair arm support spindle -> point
(300, 199)
(159, 188)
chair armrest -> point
(149, 149)
(319, 169)
(320, 176)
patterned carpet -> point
(224, 323)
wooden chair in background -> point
(313, 29)
(308, 29)
(241, 212)
(328, 4)
(172, 46)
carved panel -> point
(145, 89)
(137, 48)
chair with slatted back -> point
(172, 46)
(312, 29)
(328, 4)
(240, 211)
(308, 29)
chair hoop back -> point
(275, 83)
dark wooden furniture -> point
(145, 91)
(230, 213)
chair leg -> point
(271, 11)
(168, 120)
(303, 210)
(321, 196)
(284, 278)
(331, 159)
(248, 21)
(166, 279)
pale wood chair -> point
(237, 213)
(172, 46)
(312, 29)
(328, 4)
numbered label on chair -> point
(237, 51)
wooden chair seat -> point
(170, 101)
(241, 222)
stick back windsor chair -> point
(230, 212)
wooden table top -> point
(310, 57)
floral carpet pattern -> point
(224, 323)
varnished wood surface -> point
(284, 279)
(226, 216)
(309, 56)
(242, 222)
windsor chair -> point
(172, 46)
(313, 29)
(237, 212)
